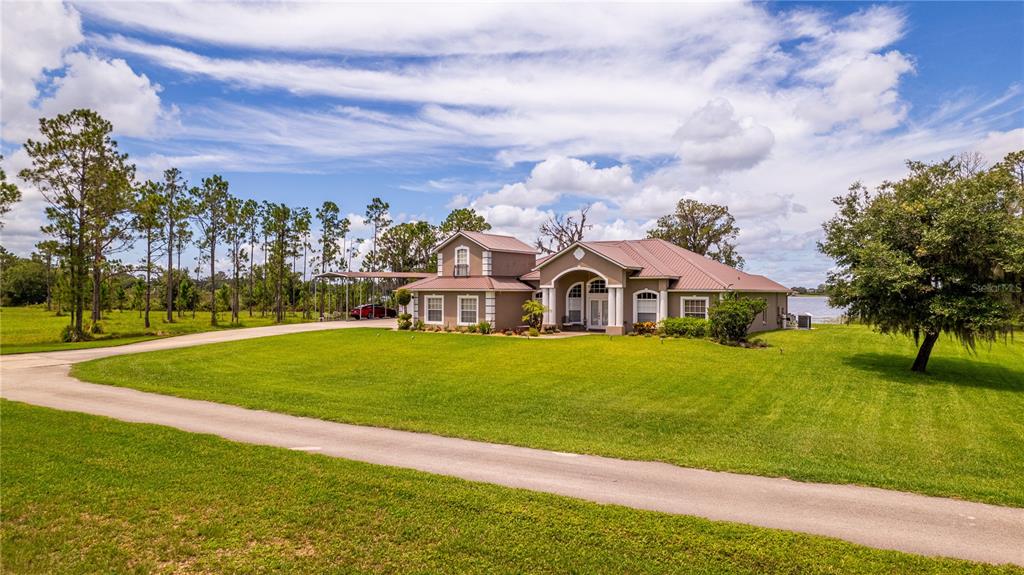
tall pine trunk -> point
(252, 271)
(170, 259)
(213, 283)
(49, 281)
(921, 361)
(234, 287)
(97, 279)
(149, 272)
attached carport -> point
(332, 289)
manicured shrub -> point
(534, 332)
(484, 327)
(419, 325)
(404, 321)
(729, 320)
(533, 313)
(645, 327)
(473, 328)
(685, 327)
(403, 297)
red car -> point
(371, 311)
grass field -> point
(28, 329)
(837, 404)
(84, 494)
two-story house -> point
(605, 286)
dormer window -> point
(461, 262)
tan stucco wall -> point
(568, 261)
(511, 264)
(508, 311)
(675, 301)
(502, 263)
(633, 286)
(777, 303)
(475, 257)
(450, 306)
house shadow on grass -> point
(941, 371)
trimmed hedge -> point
(685, 327)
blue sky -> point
(522, 112)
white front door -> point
(598, 313)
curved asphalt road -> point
(869, 516)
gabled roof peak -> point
(492, 242)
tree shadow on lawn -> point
(950, 371)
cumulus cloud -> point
(128, 100)
(45, 74)
(715, 139)
(35, 37)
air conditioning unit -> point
(803, 321)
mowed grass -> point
(837, 404)
(85, 494)
(33, 329)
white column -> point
(553, 304)
(662, 305)
(620, 295)
(612, 319)
(545, 297)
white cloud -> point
(415, 29)
(44, 74)
(715, 139)
(35, 36)
(128, 100)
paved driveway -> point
(869, 516)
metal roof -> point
(472, 283)
(375, 275)
(492, 242)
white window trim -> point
(458, 307)
(683, 300)
(606, 286)
(583, 302)
(455, 265)
(657, 300)
(426, 309)
(487, 263)
(490, 306)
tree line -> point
(96, 209)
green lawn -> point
(85, 494)
(28, 329)
(837, 404)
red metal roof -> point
(363, 275)
(492, 242)
(655, 258)
(472, 283)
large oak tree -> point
(936, 252)
(706, 229)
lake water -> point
(817, 306)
